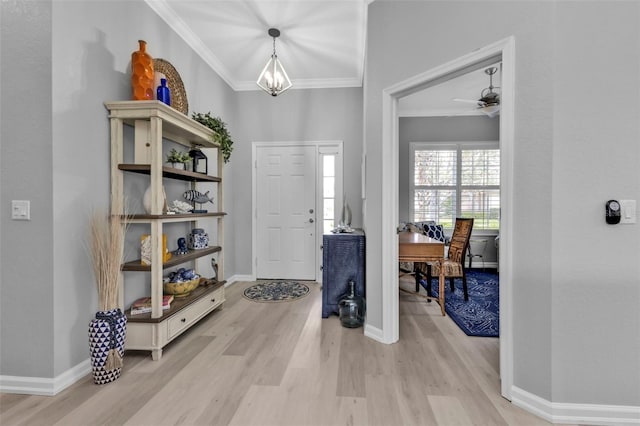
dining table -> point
(417, 247)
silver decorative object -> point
(197, 197)
(345, 217)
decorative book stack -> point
(143, 305)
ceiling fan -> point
(489, 102)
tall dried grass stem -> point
(106, 241)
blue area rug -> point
(480, 315)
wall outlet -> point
(628, 211)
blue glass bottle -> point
(163, 92)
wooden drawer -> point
(183, 319)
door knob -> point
(310, 220)
(310, 210)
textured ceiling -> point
(322, 45)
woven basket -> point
(178, 95)
(181, 289)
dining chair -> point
(453, 265)
(477, 248)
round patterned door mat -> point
(276, 291)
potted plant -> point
(107, 330)
(178, 159)
(221, 134)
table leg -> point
(441, 289)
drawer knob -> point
(183, 320)
(213, 300)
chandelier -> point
(273, 78)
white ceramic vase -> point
(146, 200)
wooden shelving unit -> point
(153, 123)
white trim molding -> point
(43, 385)
(572, 413)
(374, 333)
(237, 278)
(504, 51)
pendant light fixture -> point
(273, 78)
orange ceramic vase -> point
(142, 74)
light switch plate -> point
(628, 211)
(20, 209)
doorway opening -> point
(501, 51)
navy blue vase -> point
(107, 331)
(163, 92)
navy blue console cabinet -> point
(342, 261)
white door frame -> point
(321, 147)
(503, 50)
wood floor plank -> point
(382, 403)
(310, 396)
(350, 411)
(284, 343)
(307, 350)
(282, 364)
(351, 367)
(449, 410)
(262, 405)
(378, 359)
(413, 403)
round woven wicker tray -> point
(178, 95)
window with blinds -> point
(456, 180)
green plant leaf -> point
(221, 133)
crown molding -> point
(166, 12)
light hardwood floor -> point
(282, 364)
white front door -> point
(286, 212)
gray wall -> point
(26, 288)
(576, 324)
(297, 115)
(442, 129)
(60, 62)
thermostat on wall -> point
(612, 212)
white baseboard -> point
(235, 278)
(477, 264)
(570, 413)
(42, 385)
(374, 333)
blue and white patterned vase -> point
(107, 331)
(198, 239)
